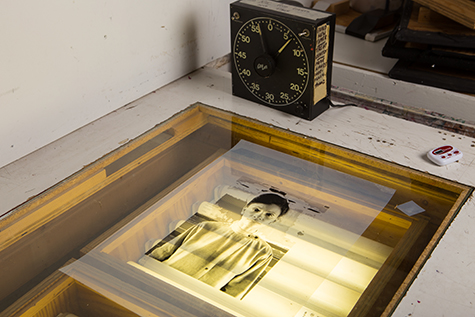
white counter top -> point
(445, 286)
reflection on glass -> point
(354, 237)
(245, 226)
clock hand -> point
(263, 43)
(282, 48)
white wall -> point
(65, 63)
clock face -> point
(271, 61)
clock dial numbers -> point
(271, 61)
(245, 38)
(255, 28)
(301, 72)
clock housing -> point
(282, 56)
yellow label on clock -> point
(321, 65)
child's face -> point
(262, 213)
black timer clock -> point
(282, 56)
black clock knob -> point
(264, 65)
(299, 109)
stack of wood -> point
(435, 44)
(338, 7)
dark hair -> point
(271, 198)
